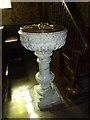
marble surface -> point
(41, 41)
(44, 41)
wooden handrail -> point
(78, 24)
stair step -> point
(66, 59)
(70, 69)
(66, 56)
(69, 73)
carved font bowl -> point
(42, 37)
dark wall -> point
(84, 9)
(34, 12)
(21, 13)
(30, 12)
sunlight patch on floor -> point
(20, 97)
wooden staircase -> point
(75, 55)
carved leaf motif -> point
(43, 41)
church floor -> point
(22, 103)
